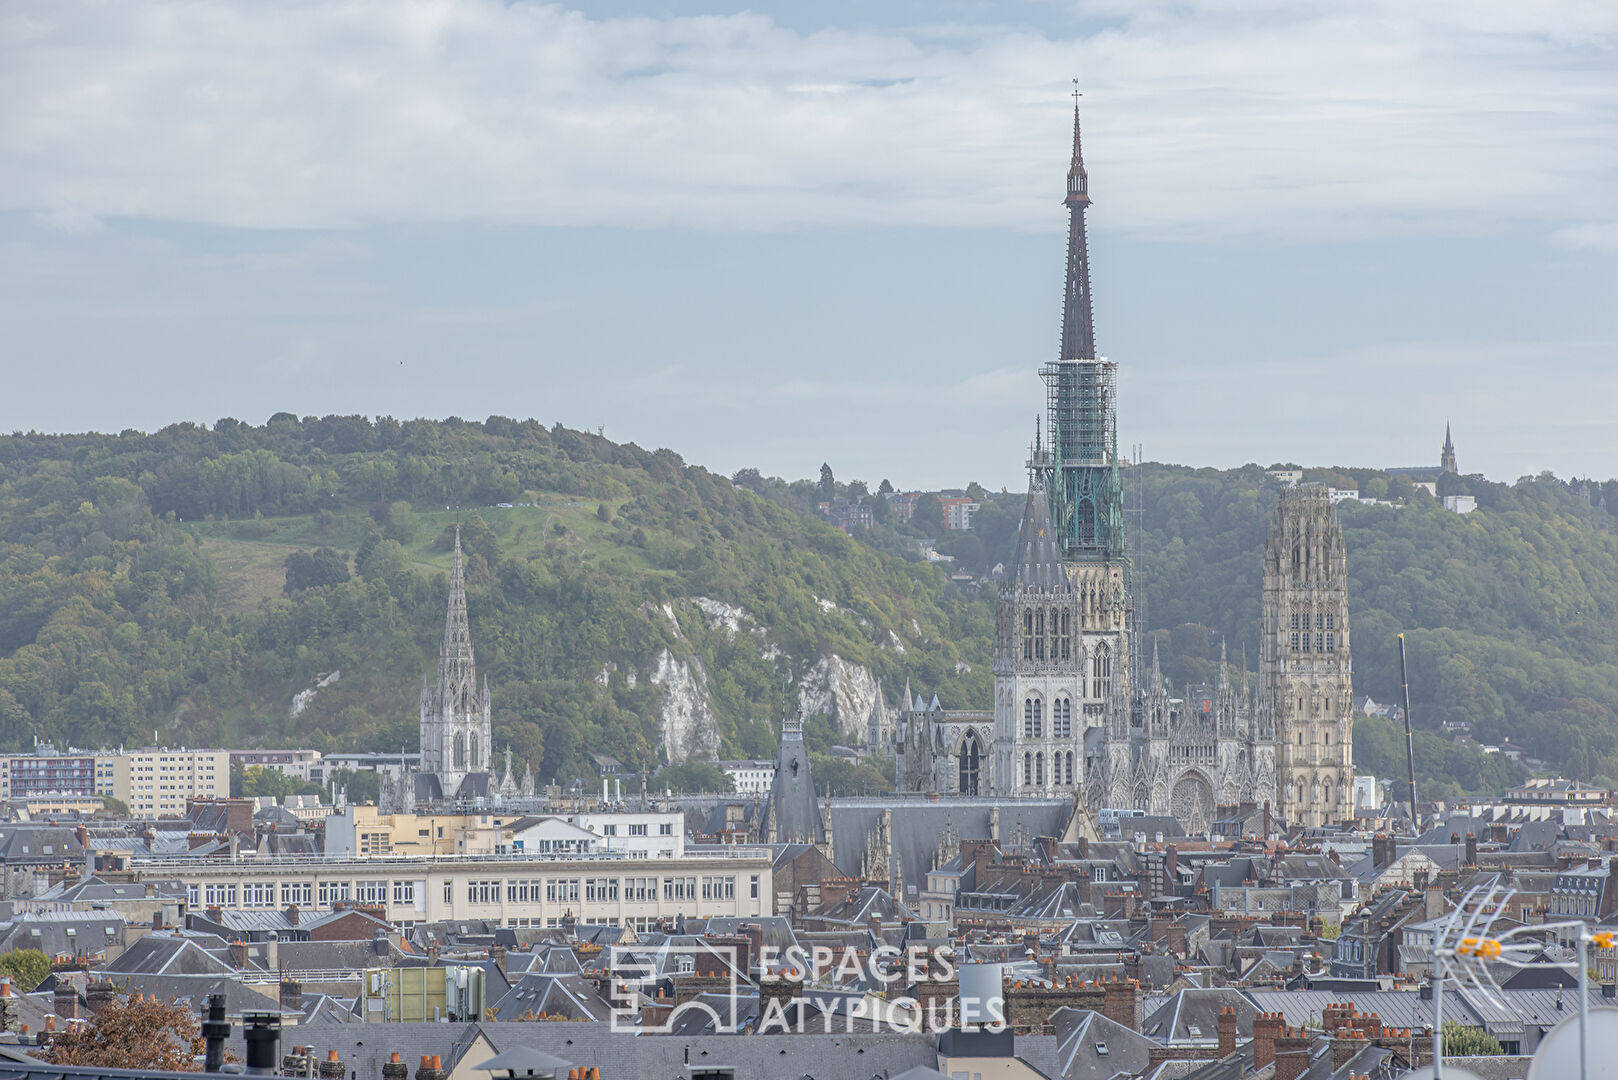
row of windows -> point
(525, 890)
(1301, 620)
(1326, 642)
(1036, 645)
(1033, 768)
(1033, 718)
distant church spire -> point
(1078, 321)
(457, 671)
(1447, 461)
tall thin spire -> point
(1078, 320)
(457, 671)
(1446, 462)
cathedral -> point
(1068, 719)
(457, 755)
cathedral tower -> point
(455, 730)
(1305, 666)
(1061, 636)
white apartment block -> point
(750, 777)
(302, 765)
(157, 781)
(650, 834)
(509, 890)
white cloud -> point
(1599, 235)
(1297, 118)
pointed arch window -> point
(1039, 769)
(1028, 634)
(1101, 670)
(1039, 719)
(1027, 769)
(1028, 718)
(476, 757)
(1039, 634)
(970, 764)
(458, 753)
(1066, 637)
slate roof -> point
(1092, 1047)
(1191, 1017)
(792, 814)
(171, 954)
(1039, 556)
(56, 932)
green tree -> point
(1463, 1041)
(692, 776)
(828, 484)
(928, 515)
(27, 968)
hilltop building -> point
(457, 755)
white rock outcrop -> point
(847, 693)
(722, 614)
(690, 728)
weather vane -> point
(1076, 94)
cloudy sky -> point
(797, 233)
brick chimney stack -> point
(394, 1069)
(333, 1068)
(1291, 1053)
(1267, 1027)
(1227, 1031)
(66, 1001)
(291, 996)
(432, 1068)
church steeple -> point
(1078, 321)
(457, 670)
(1447, 461)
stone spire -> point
(1447, 460)
(457, 671)
(1157, 669)
(528, 780)
(1078, 321)
(1224, 666)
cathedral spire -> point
(1078, 322)
(457, 671)
(1224, 666)
(1446, 462)
(1157, 670)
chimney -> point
(497, 953)
(66, 1001)
(1267, 1027)
(1291, 1054)
(394, 1069)
(432, 1068)
(294, 1063)
(1472, 850)
(292, 914)
(262, 1034)
(1227, 1032)
(1121, 1002)
(1382, 850)
(215, 1029)
(379, 943)
(332, 1068)
(99, 994)
(9, 1017)
(291, 996)
(238, 955)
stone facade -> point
(1305, 665)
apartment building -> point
(157, 781)
(151, 781)
(512, 890)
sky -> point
(791, 233)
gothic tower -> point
(1305, 666)
(1061, 628)
(1446, 461)
(455, 731)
